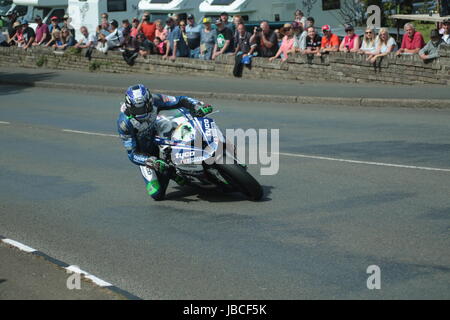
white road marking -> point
(97, 281)
(363, 162)
(19, 245)
(91, 133)
(4, 122)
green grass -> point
(425, 29)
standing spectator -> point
(431, 50)
(446, 34)
(368, 45)
(54, 24)
(225, 40)
(28, 35)
(17, 38)
(105, 22)
(67, 25)
(412, 41)
(299, 36)
(42, 32)
(147, 27)
(265, 39)
(208, 38)
(287, 46)
(385, 45)
(309, 23)
(313, 43)
(279, 37)
(193, 37)
(300, 18)
(351, 42)
(160, 31)
(3, 40)
(87, 40)
(171, 32)
(126, 26)
(330, 41)
(237, 20)
(224, 18)
(12, 19)
(243, 49)
(180, 42)
(134, 29)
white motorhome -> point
(88, 12)
(323, 11)
(161, 9)
(29, 9)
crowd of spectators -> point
(210, 39)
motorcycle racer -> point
(137, 128)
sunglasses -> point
(369, 32)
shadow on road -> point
(2, 280)
(14, 83)
(187, 194)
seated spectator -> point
(160, 31)
(287, 45)
(313, 43)
(300, 18)
(351, 42)
(446, 33)
(54, 24)
(431, 50)
(412, 41)
(134, 28)
(368, 45)
(67, 25)
(385, 44)
(224, 41)
(42, 32)
(208, 38)
(330, 41)
(299, 37)
(55, 40)
(87, 40)
(266, 40)
(147, 27)
(112, 41)
(193, 37)
(160, 46)
(67, 39)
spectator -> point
(160, 46)
(266, 40)
(385, 45)
(208, 38)
(224, 18)
(279, 37)
(225, 40)
(160, 31)
(42, 32)
(28, 35)
(446, 34)
(330, 41)
(193, 37)
(243, 49)
(147, 27)
(368, 45)
(299, 36)
(87, 40)
(144, 46)
(67, 39)
(105, 22)
(54, 24)
(12, 19)
(134, 29)
(237, 20)
(67, 25)
(287, 46)
(180, 43)
(412, 41)
(431, 50)
(17, 38)
(313, 42)
(351, 42)
(112, 41)
(309, 23)
(126, 26)
(299, 17)
(55, 40)
(171, 29)
(3, 40)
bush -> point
(41, 61)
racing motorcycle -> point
(198, 151)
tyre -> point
(241, 180)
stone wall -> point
(342, 67)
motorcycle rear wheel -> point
(238, 177)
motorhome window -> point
(222, 2)
(331, 5)
(5, 6)
(116, 5)
(21, 10)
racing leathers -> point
(138, 140)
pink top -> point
(161, 34)
(287, 45)
(40, 31)
(134, 32)
(350, 42)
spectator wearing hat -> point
(431, 50)
(299, 36)
(412, 41)
(147, 27)
(446, 33)
(351, 42)
(17, 38)
(208, 38)
(54, 24)
(313, 43)
(287, 45)
(67, 25)
(193, 31)
(87, 40)
(265, 39)
(330, 41)
(28, 35)
(42, 32)
(225, 40)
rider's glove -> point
(203, 110)
(157, 165)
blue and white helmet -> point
(139, 102)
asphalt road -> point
(322, 223)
